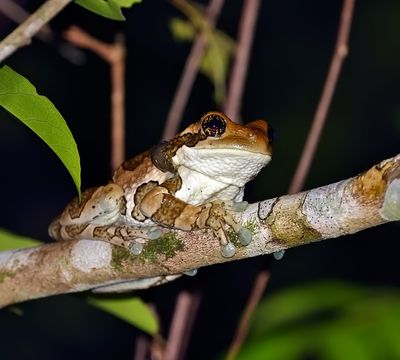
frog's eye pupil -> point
(270, 134)
(214, 125)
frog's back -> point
(137, 171)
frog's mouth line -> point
(223, 149)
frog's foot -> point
(217, 219)
(240, 206)
(125, 236)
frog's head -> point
(218, 148)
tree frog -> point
(189, 182)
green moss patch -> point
(167, 245)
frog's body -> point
(190, 182)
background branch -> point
(246, 34)
(321, 112)
(189, 73)
(306, 158)
(115, 55)
(24, 33)
(351, 205)
(260, 284)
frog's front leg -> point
(96, 218)
(162, 207)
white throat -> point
(198, 188)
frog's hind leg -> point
(95, 218)
(162, 207)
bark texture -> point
(369, 199)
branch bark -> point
(24, 33)
(369, 199)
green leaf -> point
(10, 241)
(182, 30)
(110, 9)
(292, 305)
(19, 97)
(327, 321)
(218, 53)
(132, 310)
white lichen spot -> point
(265, 207)
(6, 51)
(34, 27)
(324, 209)
(391, 204)
(5, 257)
(87, 255)
(67, 276)
(21, 259)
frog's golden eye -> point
(270, 134)
(214, 125)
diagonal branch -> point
(189, 73)
(340, 53)
(369, 199)
(24, 33)
(239, 70)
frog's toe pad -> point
(154, 234)
(228, 250)
(278, 255)
(191, 272)
(245, 236)
(240, 206)
(136, 248)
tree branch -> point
(242, 57)
(369, 199)
(189, 73)
(340, 53)
(24, 33)
(115, 55)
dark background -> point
(292, 50)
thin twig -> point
(142, 348)
(176, 345)
(255, 296)
(182, 323)
(307, 156)
(239, 70)
(341, 50)
(189, 74)
(18, 14)
(23, 34)
(114, 54)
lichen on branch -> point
(369, 199)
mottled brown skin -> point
(142, 190)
